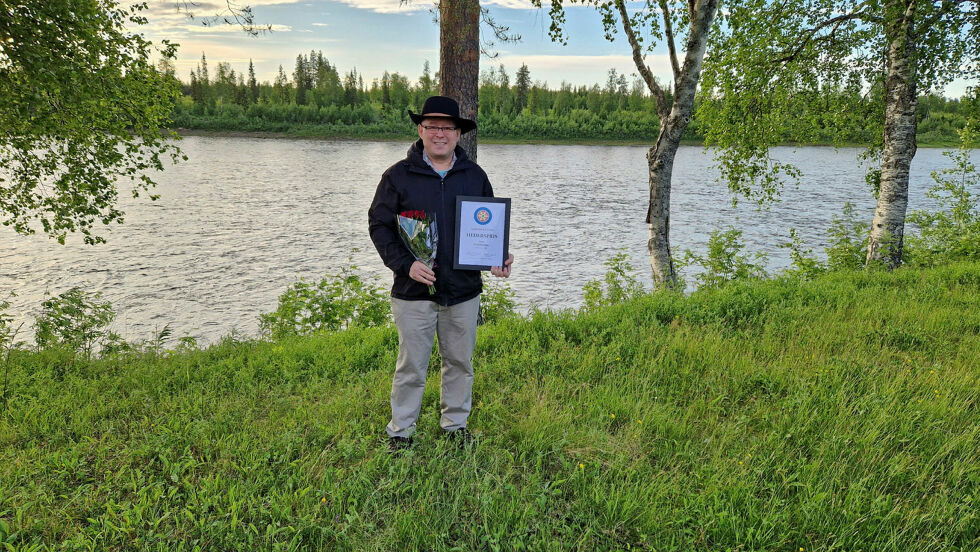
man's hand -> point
(421, 273)
(505, 271)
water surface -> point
(244, 217)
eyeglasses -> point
(435, 129)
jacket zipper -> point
(442, 216)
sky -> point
(374, 36)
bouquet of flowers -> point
(418, 231)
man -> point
(435, 171)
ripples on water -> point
(245, 217)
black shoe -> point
(399, 443)
(461, 436)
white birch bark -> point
(673, 121)
(888, 226)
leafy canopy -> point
(777, 69)
(81, 109)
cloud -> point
(321, 24)
(396, 6)
(389, 6)
(180, 16)
(254, 3)
(220, 29)
(516, 4)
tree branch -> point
(500, 32)
(669, 33)
(836, 22)
(234, 14)
(947, 7)
(662, 110)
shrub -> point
(848, 240)
(7, 331)
(804, 264)
(336, 302)
(725, 261)
(497, 301)
(620, 283)
(7, 335)
(77, 321)
(953, 232)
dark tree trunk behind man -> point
(459, 60)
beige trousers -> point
(418, 322)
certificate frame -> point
(504, 242)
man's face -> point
(439, 144)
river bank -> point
(833, 414)
(319, 134)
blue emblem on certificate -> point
(482, 216)
(482, 232)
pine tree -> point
(386, 89)
(253, 85)
(504, 80)
(242, 92)
(281, 87)
(299, 80)
(204, 81)
(426, 85)
(523, 88)
(350, 88)
(202, 71)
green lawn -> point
(838, 414)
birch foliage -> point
(783, 65)
(82, 110)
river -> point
(245, 217)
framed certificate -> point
(482, 232)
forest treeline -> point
(319, 99)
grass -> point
(839, 414)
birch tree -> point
(82, 107)
(82, 110)
(773, 56)
(688, 23)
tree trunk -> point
(459, 60)
(888, 226)
(660, 158)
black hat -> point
(441, 106)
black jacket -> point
(412, 184)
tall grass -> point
(834, 414)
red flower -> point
(417, 215)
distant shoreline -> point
(301, 135)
